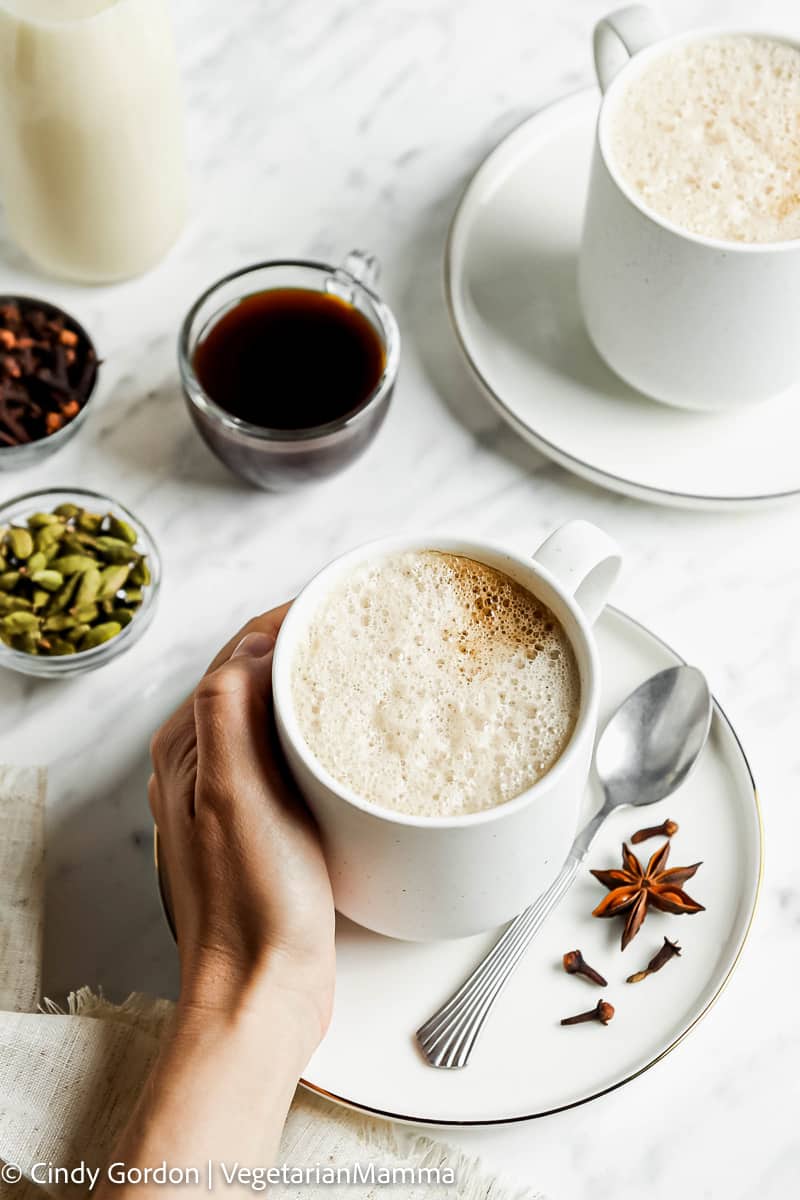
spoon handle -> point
(447, 1038)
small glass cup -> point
(62, 666)
(282, 459)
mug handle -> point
(620, 35)
(585, 562)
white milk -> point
(92, 166)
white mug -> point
(689, 320)
(418, 877)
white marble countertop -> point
(315, 128)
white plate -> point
(526, 1064)
(510, 280)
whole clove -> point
(667, 829)
(575, 964)
(48, 369)
(602, 1012)
(668, 950)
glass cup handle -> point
(358, 267)
(620, 35)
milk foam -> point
(435, 685)
(709, 136)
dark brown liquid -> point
(290, 358)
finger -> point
(231, 711)
(172, 749)
(267, 623)
(182, 719)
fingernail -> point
(254, 645)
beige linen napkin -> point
(69, 1080)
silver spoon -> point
(646, 751)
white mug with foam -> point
(690, 320)
(420, 877)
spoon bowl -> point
(654, 739)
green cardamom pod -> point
(48, 578)
(63, 597)
(21, 543)
(133, 597)
(40, 519)
(68, 511)
(59, 623)
(59, 646)
(99, 634)
(112, 579)
(122, 530)
(72, 564)
(124, 616)
(39, 598)
(86, 613)
(77, 634)
(19, 622)
(9, 580)
(88, 587)
(28, 642)
(140, 573)
(89, 522)
(36, 562)
(71, 543)
(48, 536)
(114, 550)
(13, 603)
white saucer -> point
(510, 281)
(526, 1065)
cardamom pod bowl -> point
(16, 511)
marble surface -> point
(314, 128)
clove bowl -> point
(29, 454)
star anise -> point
(633, 889)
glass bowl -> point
(28, 454)
(59, 667)
(282, 459)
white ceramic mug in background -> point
(690, 320)
(420, 877)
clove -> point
(603, 1012)
(575, 964)
(47, 371)
(668, 950)
(666, 829)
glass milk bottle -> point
(92, 164)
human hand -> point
(248, 885)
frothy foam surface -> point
(435, 685)
(709, 136)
